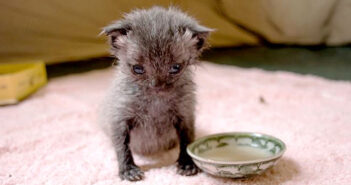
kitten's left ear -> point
(116, 31)
(200, 33)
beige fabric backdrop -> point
(65, 30)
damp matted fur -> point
(150, 105)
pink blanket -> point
(52, 138)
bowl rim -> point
(257, 134)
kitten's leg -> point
(185, 165)
(120, 139)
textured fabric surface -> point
(52, 138)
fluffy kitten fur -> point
(154, 111)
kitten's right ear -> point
(116, 32)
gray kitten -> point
(150, 107)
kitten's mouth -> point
(161, 89)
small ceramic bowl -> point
(236, 154)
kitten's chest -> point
(154, 128)
(156, 109)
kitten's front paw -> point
(187, 169)
(132, 173)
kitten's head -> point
(155, 47)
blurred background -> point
(302, 36)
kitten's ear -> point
(200, 33)
(117, 33)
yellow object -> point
(18, 81)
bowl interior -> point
(237, 147)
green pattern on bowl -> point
(236, 169)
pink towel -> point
(52, 138)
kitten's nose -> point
(155, 82)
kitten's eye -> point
(138, 69)
(175, 68)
